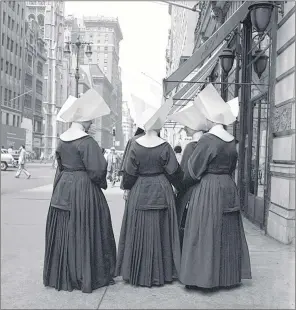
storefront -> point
(12, 137)
(242, 56)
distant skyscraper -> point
(50, 17)
(127, 123)
(105, 35)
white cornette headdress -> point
(88, 107)
(191, 117)
(215, 109)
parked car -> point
(16, 155)
(7, 160)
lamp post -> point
(88, 53)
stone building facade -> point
(265, 127)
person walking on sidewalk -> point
(215, 251)
(149, 245)
(80, 249)
(22, 162)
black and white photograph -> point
(147, 154)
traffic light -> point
(113, 131)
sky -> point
(144, 25)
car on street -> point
(7, 160)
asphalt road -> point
(24, 206)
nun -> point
(80, 249)
(149, 246)
(195, 125)
(215, 252)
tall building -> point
(12, 52)
(50, 17)
(34, 90)
(127, 123)
(105, 35)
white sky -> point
(144, 25)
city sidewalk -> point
(23, 225)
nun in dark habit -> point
(149, 245)
(80, 249)
(195, 126)
(215, 252)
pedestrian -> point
(80, 249)
(215, 252)
(111, 167)
(178, 152)
(149, 246)
(10, 150)
(21, 163)
(103, 151)
(195, 126)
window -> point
(18, 122)
(28, 80)
(3, 39)
(7, 67)
(14, 121)
(22, 13)
(105, 61)
(6, 95)
(18, 9)
(40, 68)
(15, 71)
(11, 45)
(30, 60)
(21, 31)
(31, 39)
(7, 118)
(38, 106)
(20, 73)
(11, 69)
(8, 43)
(12, 24)
(13, 5)
(105, 68)
(16, 48)
(106, 48)
(9, 18)
(9, 96)
(39, 86)
(28, 101)
(21, 51)
(17, 28)
(105, 56)
(4, 16)
(2, 64)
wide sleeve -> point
(130, 173)
(125, 156)
(59, 167)
(199, 161)
(94, 162)
(171, 167)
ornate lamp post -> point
(88, 53)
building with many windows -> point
(33, 77)
(105, 34)
(12, 52)
(127, 123)
(50, 17)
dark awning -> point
(206, 49)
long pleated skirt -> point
(149, 246)
(215, 252)
(80, 249)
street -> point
(23, 215)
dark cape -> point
(184, 194)
(80, 249)
(215, 252)
(149, 245)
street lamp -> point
(260, 13)
(226, 60)
(260, 62)
(88, 53)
